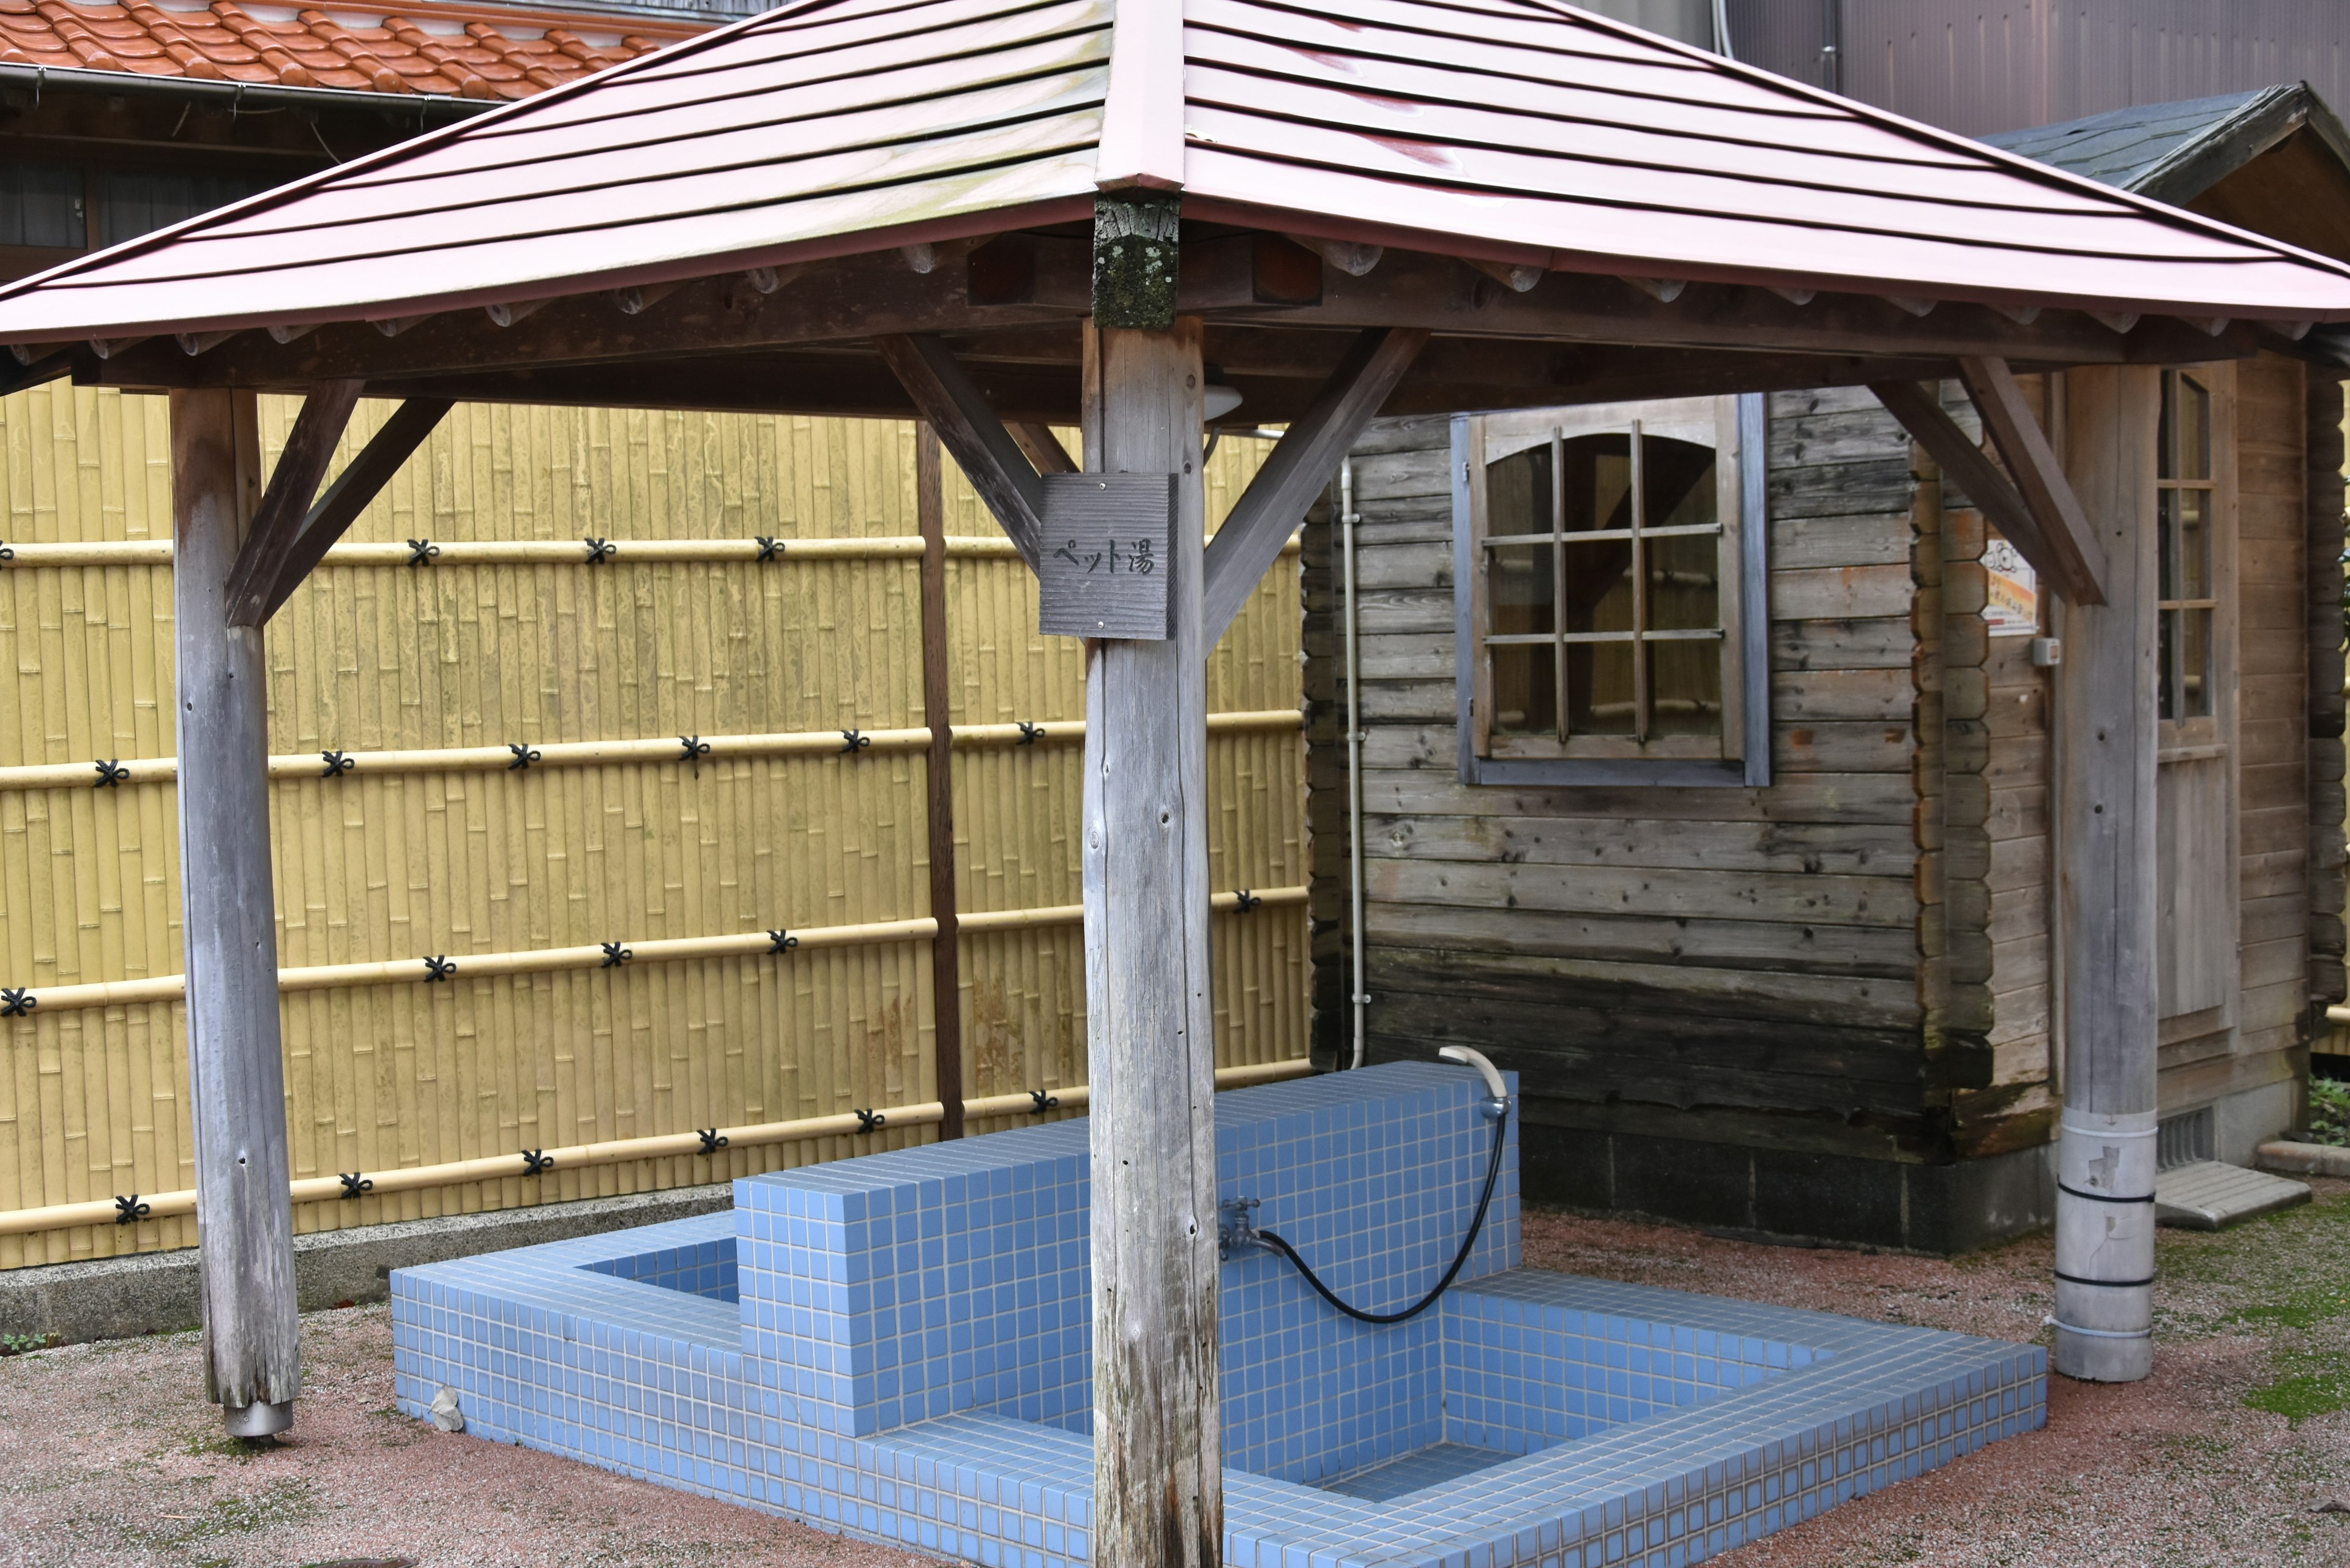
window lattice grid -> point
(1605, 587)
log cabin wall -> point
(1821, 1007)
(1714, 994)
(2248, 1073)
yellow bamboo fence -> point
(600, 814)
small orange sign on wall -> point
(2011, 598)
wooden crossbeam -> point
(359, 482)
(2071, 543)
(968, 427)
(285, 504)
(1300, 467)
(1922, 416)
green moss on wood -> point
(1136, 259)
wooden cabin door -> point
(2194, 780)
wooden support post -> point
(2106, 733)
(245, 1222)
(946, 949)
(1149, 1021)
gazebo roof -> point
(1513, 132)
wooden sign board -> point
(1105, 542)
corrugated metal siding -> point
(1978, 67)
(92, 1103)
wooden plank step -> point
(2208, 1195)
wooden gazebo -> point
(997, 215)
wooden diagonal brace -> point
(1973, 471)
(989, 454)
(359, 482)
(1269, 511)
(1044, 449)
(285, 504)
(2078, 561)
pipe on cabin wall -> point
(1357, 997)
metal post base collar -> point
(257, 1420)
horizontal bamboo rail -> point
(441, 967)
(589, 552)
(110, 772)
(616, 1151)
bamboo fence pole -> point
(611, 1151)
(583, 552)
(442, 967)
(111, 772)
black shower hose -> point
(1477, 1223)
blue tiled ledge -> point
(898, 1346)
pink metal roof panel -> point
(1514, 130)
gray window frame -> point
(1751, 771)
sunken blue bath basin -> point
(897, 1348)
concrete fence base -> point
(155, 1293)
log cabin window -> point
(1606, 591)
(2194, 680)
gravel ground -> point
(2230, 1455)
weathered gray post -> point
(1150, 1025)
(2105, 740)
(244, 1216)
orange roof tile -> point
(426, 46)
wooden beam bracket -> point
(970, 429)
(325, 522)
(1972, 468)
(278, 524)
(2079, 561)
(1269, 511)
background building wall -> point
(1981, 66)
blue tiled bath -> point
(897, 1348)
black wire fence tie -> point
(781, 942)
(523, 757)
(599, 550)
(854, 741)
(539, 1162)
(712, 1140)
(1245, 901)
(694, 748)
(439, 967)
(1029, 734)
(770, 549)
(615, 955)
(17, 1001)
(110, 773)
(871, 1121)
(354, 1183)
(129, 1210)
(1039, 1100)
(6, 552)
(422, 551)
(338, 763)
